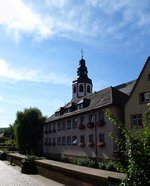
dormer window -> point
(57, 114)
(79, 106)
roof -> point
(147, 61)
(100, 99)
(126, 87)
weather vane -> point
(82, 53)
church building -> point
(80, 128)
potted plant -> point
(28, 166)
(90, 125)
(100, 123)
(82, 144)
(81, 126)
(91, 144)
(101, 144)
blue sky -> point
(40, 43)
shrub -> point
(84, 161)
(65, 159)
(111, 166)
(136, 151)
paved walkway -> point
(11, 176)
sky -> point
(41, 42)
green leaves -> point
(28, 130)
(136, 150)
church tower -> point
(82, 86)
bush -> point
(111, 166)
(136, 151)
(84, 161)
(64, 159)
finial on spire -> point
(82, 53)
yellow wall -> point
(133, 106)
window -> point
(79, 106)
(74, 89)
(81, 139)
(49, 128)
(69, 124)
(74, 140)
(54, 130)
(49, 142)
(101, 137)
(81, 88)
(149, 77)
(59, 141)
(63, 140)
(144, 97)
(54, 143)
(101, 116)
(81, 119)
(45, 129)
(136, 121)
(88, 89)
(91, 118)
(45, 141)
(63, 125)
(59, 126)
(57, 114)
(91, 138)
(68, 140)
(74, 123)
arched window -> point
(81, 88)
(74, 89)
(88, 89)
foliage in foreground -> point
(136, 150)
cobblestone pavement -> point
(11, 176)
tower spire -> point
(82, 53)
(82, 86)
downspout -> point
(95, 128)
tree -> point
(136, 150)
(28, 131)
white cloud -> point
(16, 16)
(33, 75)
(1, 98)
(77, 20)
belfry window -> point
(74, 89)
(88, 88)
(81, 88)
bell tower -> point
(82, 86)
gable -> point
(143, 82)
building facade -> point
(137, 103)
(80, 128)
